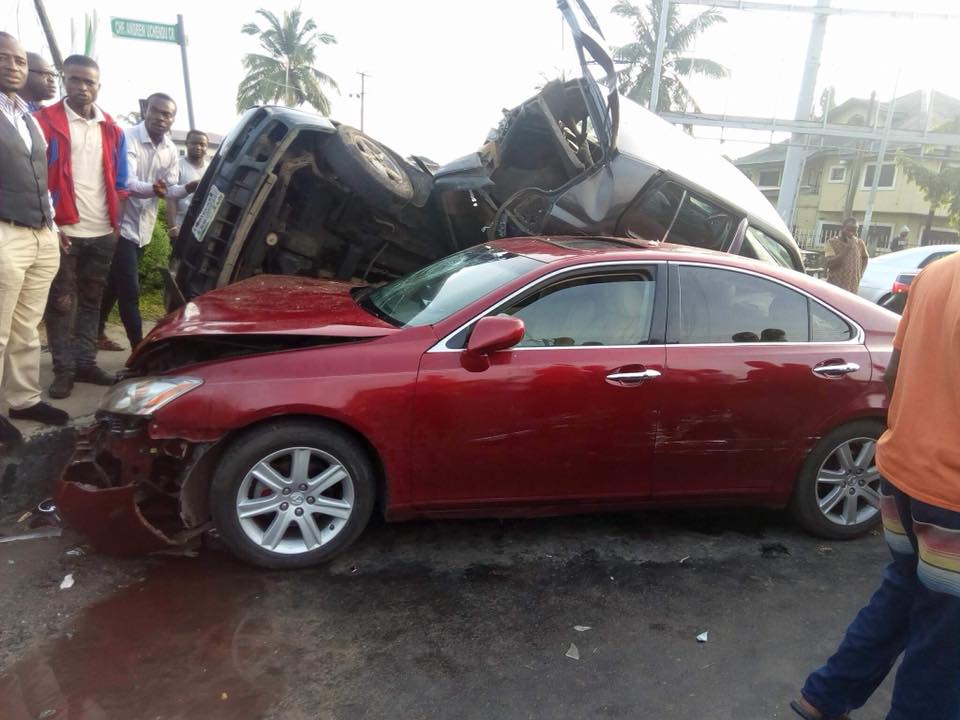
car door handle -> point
(836, 369)
(633, 378)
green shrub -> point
(156, 255)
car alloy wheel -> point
(848, 483)
(295, 500)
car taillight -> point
(902, 283)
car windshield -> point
(448, 285)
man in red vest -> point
(87, 171)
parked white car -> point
(881, 274)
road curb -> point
(27, 474)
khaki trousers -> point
(28, 263)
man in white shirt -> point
(87, 171)
(153, 172)
(29, 255)
(192, 167)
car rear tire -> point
(372, 170)
(837, 495)
(292, 494)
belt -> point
(15, 223)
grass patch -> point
(155, 257)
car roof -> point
(651, 139)
(914, 253)
(560, 252)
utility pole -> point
(48, 31)
(793, 164)
(363, 94)
(658, 59)
(182, 36)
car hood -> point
(274, 305)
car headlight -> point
(144, 396)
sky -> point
(441, 71)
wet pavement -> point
(468, 619)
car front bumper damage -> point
(130, 493)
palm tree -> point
(636, 79)
(286, 74)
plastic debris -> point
(582, 628)
(48, 713)
(75, 552)
(44, 532)
(573, 653)
(67, 582)
(684, 559)
(703, 637)
(223, 696)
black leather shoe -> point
(62, 385)
(42, 413)
(94, 375)
(9, 435)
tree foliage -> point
(285, 73)
(940, 188)
(636, 79)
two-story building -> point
(838, 174)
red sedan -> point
(521, 377)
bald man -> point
(42, 82)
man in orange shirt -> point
(916, 610)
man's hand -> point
(160, 188)
(64, 243)
(173, 232)
(191, 187)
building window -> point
(768, 179)
(888, 175)
(838, 174)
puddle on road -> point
(187, 642)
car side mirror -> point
(494, 333)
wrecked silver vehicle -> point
(293, 193)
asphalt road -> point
(441, 620)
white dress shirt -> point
(147, 163)
(188, 173)
(89, 186)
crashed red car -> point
(520, 377)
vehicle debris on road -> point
(67, 582)
(573, 653)
(703, 637)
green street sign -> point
(140, 30)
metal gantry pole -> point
(182, 39)
(658, 59)
(363, 95)
(793, 164)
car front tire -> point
(837, 494)
(292, 494)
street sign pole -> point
(160, 32)
(182, 38)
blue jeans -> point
(916, 611)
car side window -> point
(760, 246)
(615, 309)
(652, 215)
(703, 224)
(725, 306)
(827, 326)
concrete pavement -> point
(28, 472)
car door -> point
(570, 413)
(755, 369)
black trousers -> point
(123, 287)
